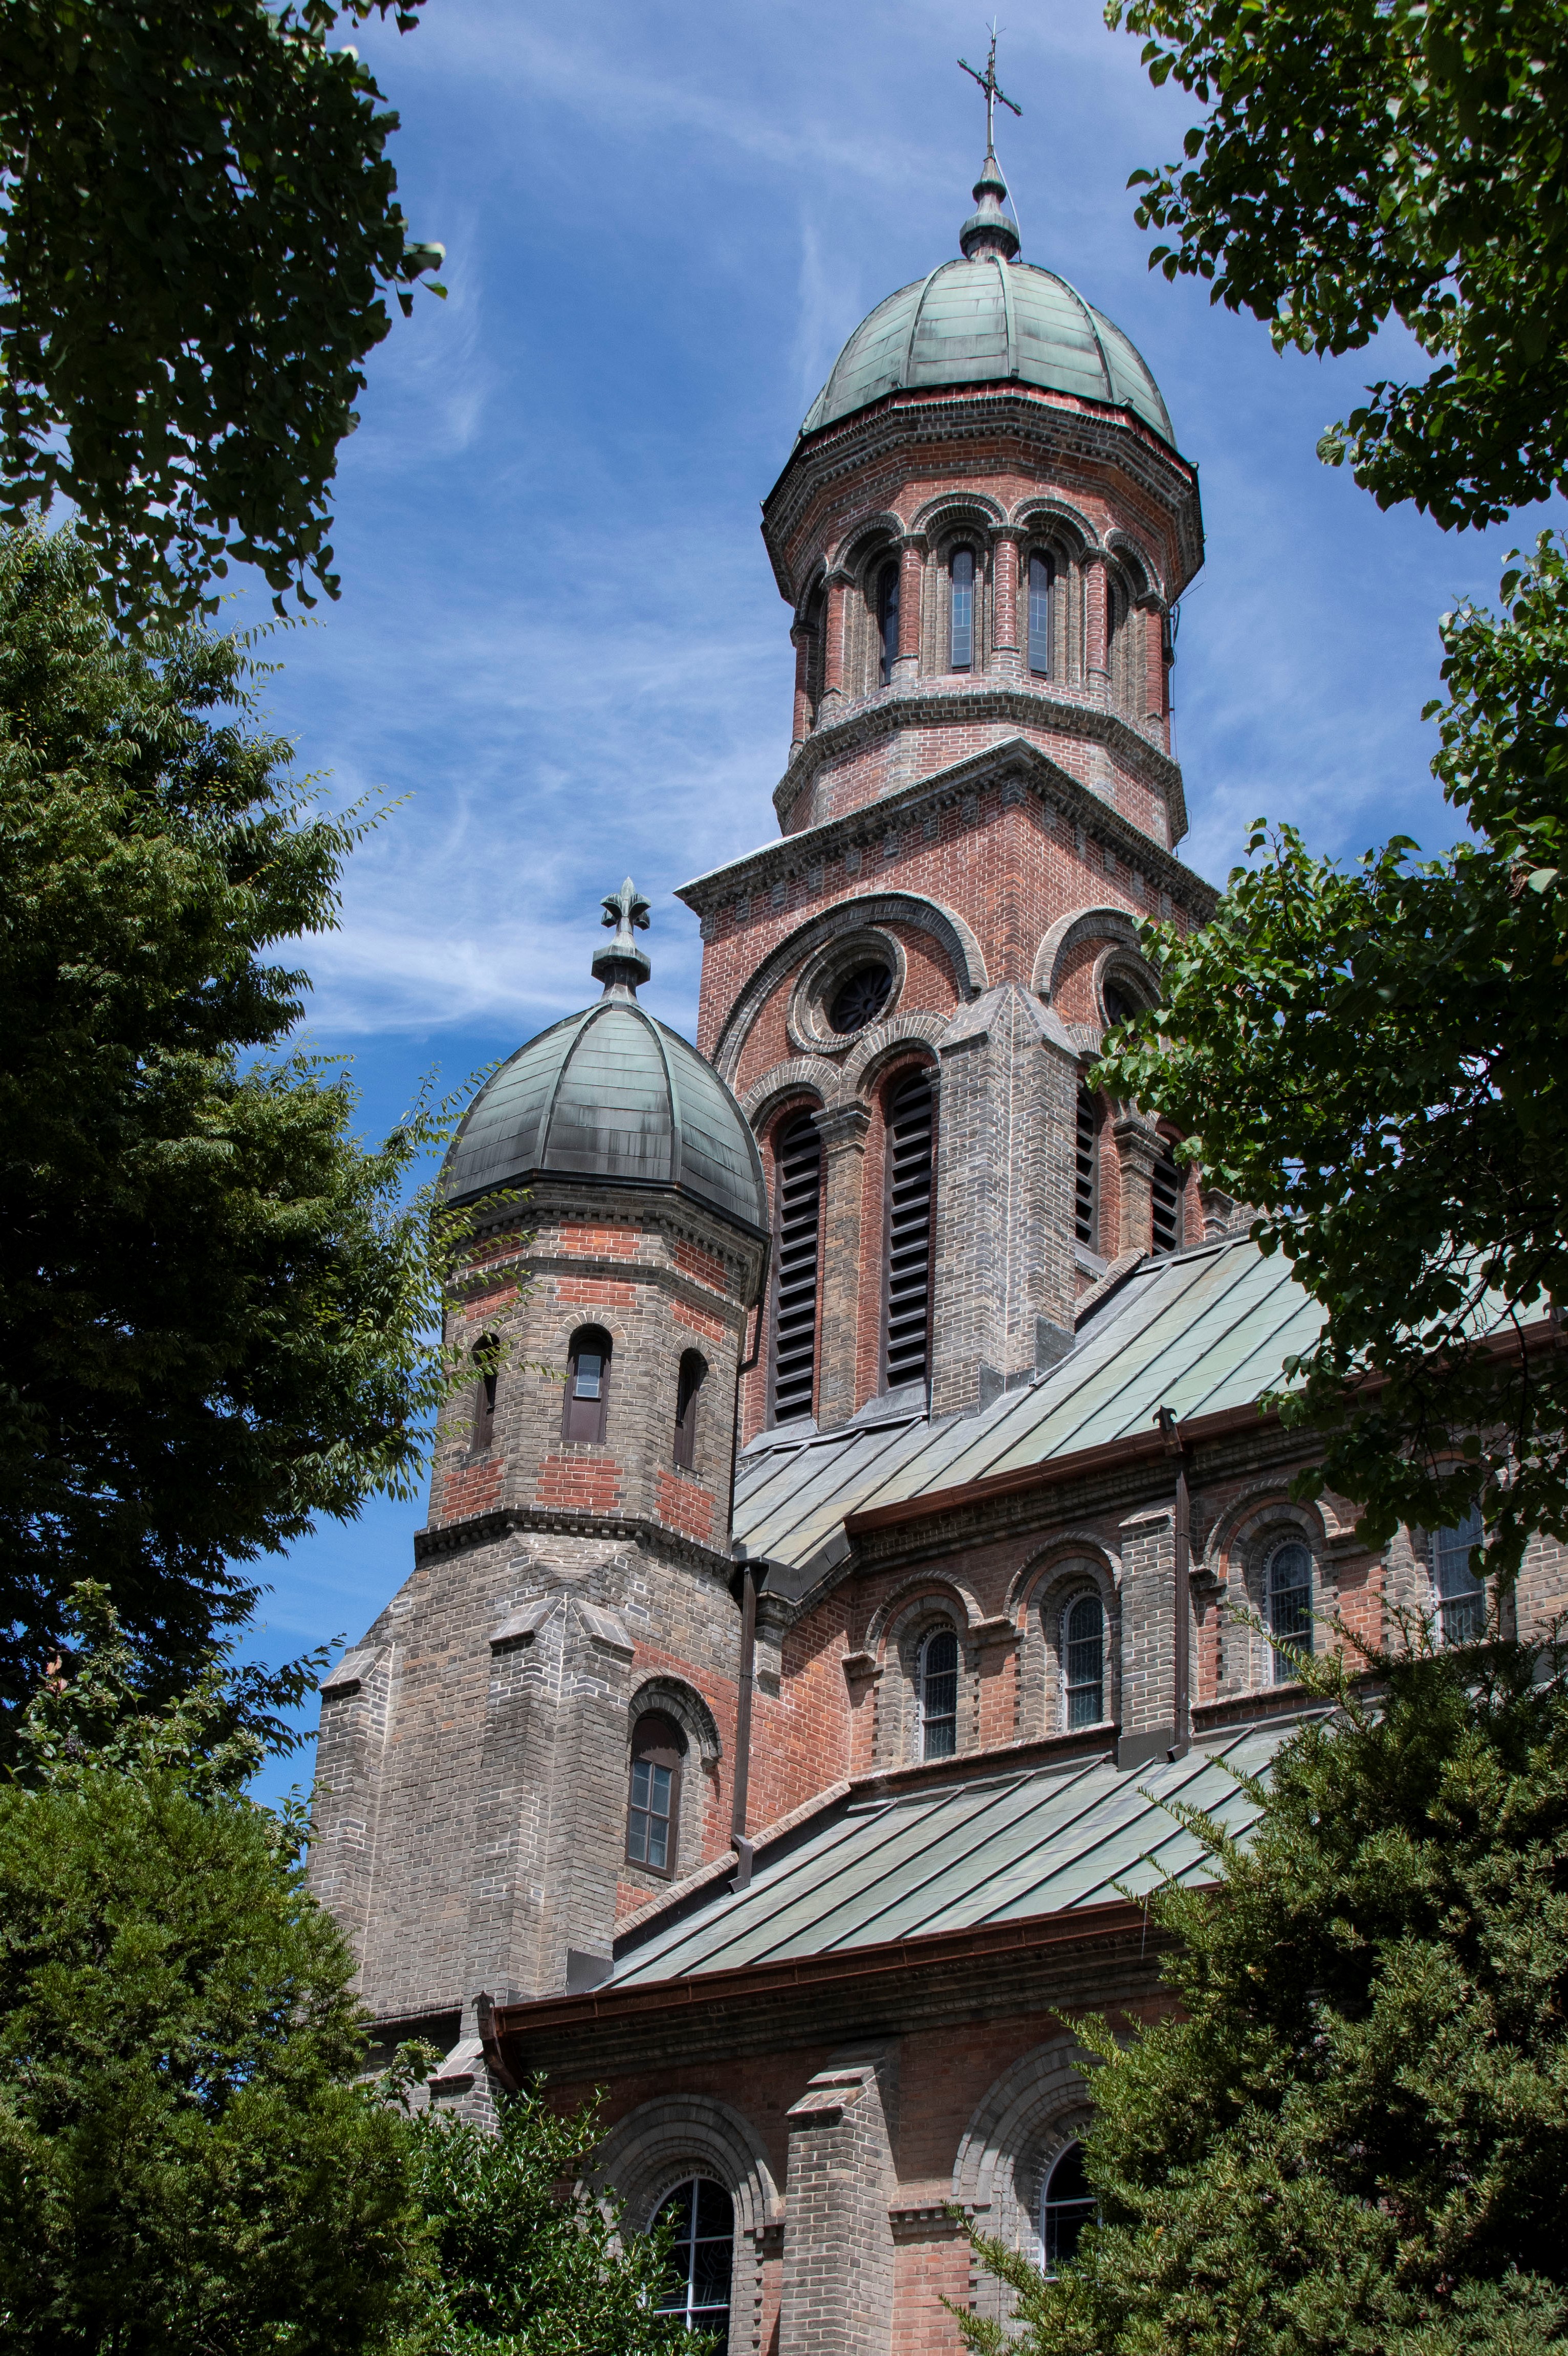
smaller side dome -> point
(611, 1097)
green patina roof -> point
(988, 321)
(610, 1094)
(1200, 1331)
(1001, 1849)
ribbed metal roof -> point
(997, 1850)
(988, 321)
(1201, 1332)
(611, 1093)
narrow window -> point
(888, 618)
(702, 2255)
(961, 614)
(587, 1385)
(798, 1167)
(1086, 1174)
(1068, 2207)
(1041, 574)
(1118, 606)
(1290, 1604)
(484, 1360)
(653, 1807)
(939, 1694)
(1461, 1597)
(1083, 1661)
(689, 1382)
(1165, 1190)
(910, 1135)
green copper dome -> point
(612, 1096)
(990, 320)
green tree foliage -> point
(197, 219)
(523, 2261)
(1377, 1059)
(214, 1307)
(1351, 2138)
(1363, 159)
(186, 2162)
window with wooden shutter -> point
(798, 1210)
(910, 1124)
(585, 1408)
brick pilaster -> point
(1137, 1150)
(1096, 624)
(911, 575)
(1005, 633)
(843, 1131)
(837, 2291)
(1149, 1634)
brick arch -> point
(1069, 1573)
(687, 2135)
(857, 544)
(915, 1037)
(791, 1087)
(1081, 924)
(1242, 1540)
(1039, 2105)
(1244, 1516)
(1135, 559)
(945, 924)
(1066, 1545)
(1034, 513)
(674, 1698)
(952, 509)
(913, 1590)
(935, 1602)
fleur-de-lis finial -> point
(620, 964)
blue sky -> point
(560, 651)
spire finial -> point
(988, 230)
(620, 964)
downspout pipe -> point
(1181, 1686)
(748, 1675)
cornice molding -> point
(506, 1521)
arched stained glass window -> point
(1290, 1604)
(911, 1140)
(1042, 575)
(701, 2257)
(1083, 1660)
(939, 1694)
(1461, 1597)
(1068, 2207)
(798, 1210)
(961, 610)
(888, 618)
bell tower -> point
(980, 535)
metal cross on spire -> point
(988, 84)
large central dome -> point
(989, 319)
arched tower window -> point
(652, 1799)
(961, 610)
(586, 1404)
(689, 1382)
(1461, 1597)
(485, 1352)
(939, 1694)
(798, 1191)
(1165, 1204)
(1118, 608)
(911, 1119)
(1289, 1590)
(1041, 576)
(1083, 1660)
(1067, 2208)
(888, 618)
(702, 2257)
(1086, 1174)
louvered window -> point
(1086, 1174)
(888, 618)
(1041, 572)
(961, 610)
(799, 1192)
(911, 1121)
(1167, 1193)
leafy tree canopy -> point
(1366, 158)
(215, 1306)
(197, 220)
(186, 2162)
(1377, 1059)
(1351, 2138)
(525, 2262)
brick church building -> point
(771, 1726)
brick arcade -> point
(761, 1731)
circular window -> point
(860, 999)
